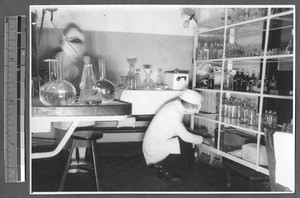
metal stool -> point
(90, 136)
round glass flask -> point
(106, 89)
(58, 91)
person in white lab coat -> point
(167, 144)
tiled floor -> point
(123, 169)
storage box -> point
(177, 80)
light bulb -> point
(186, 23)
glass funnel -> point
(106, 89)
(88, 90)
(57, 91)
(130, 80)
(148, 82)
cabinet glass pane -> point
(278, 113)
(202, 126)
(234, 142)
(209, 75)
(279, 10)
(279, 77)
(281, 35)
(243, 75)
(210, 45)
(210, 106)
(245, 40)
(240, 111)
(210, 18)
(236, 15)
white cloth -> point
(161, 137)
(284, 147)
(145, 102)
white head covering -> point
(191, 96)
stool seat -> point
(87, 135)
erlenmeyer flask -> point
(130, 80)
(88, 90)
(160, 82)
(148, 82)
(106, 89)
(138, 80)
(57, 91)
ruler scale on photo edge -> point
(14, 98)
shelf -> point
(278, 96)
(209, 60)
(208, 90)
(242, 129)
(244, 162)
(200, 116)
(254, 94)
(279, 56)
(244, 58)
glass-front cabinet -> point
(244, 67)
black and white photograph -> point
(162, 99)
(150, 100)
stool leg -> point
(251, 184)
(63, 179)
(93, 143)
(228, 183)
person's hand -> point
(208, 141)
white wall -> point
(119, 18)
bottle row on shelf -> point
(239, 80)
(239, 113)
(215, 51)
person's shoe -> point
(168, 176)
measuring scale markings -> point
(14, 98)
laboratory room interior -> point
(122, 97)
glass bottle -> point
(248, 79)
(130, 80)
(237, 81)
(273, 83)
(252, 116)
(205, 52)
(243, 81)
(220, 51)
(139, 84)
(211, 82)
(211, 51)
(88, 90)
(230, 80)
(148, 82)
(223, 108)
(244, 114)
(160, 82)
(199, 51)
(106, 89)
(59, 91)
(266, 85)
(289, 47)
(252, 81)
(234, 108)
(239, 108)
(215, 51)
